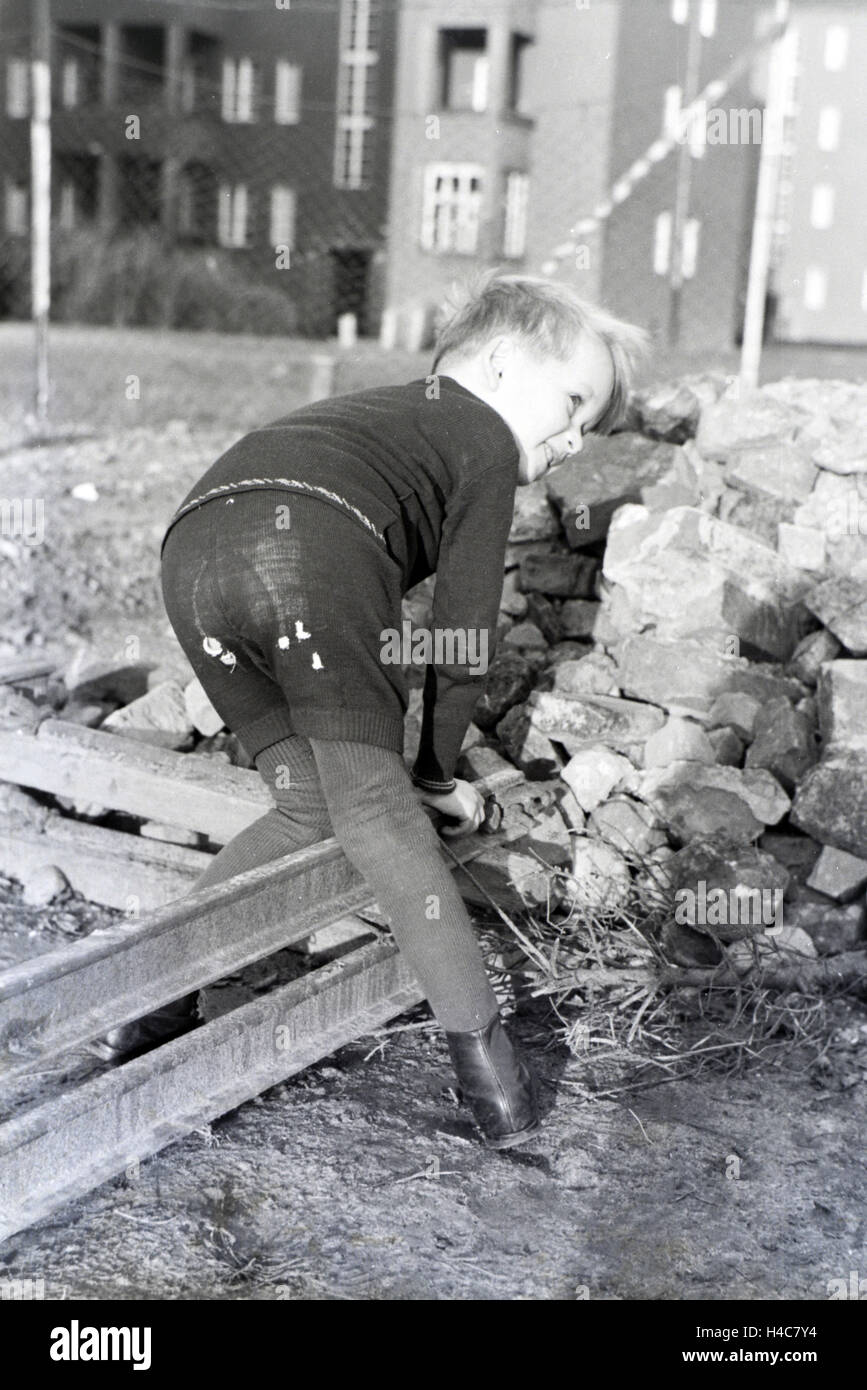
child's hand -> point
(463, 803)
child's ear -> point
(496, 357)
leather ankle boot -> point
(142, 1034)
(498, 1087)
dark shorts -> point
(279, 600)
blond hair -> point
(549, 318)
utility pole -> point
(40, 195)
(684, 178)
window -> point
(17, 208)
(662, 244)
(70, 83)
(518, 48)
(515, 228)
(671, 113)
(691, 236)
(464, 69)
(707, 19)
(287, 93)
(282, 232)
(232, 215)
(452, 208)
(67, 207)
(188, 87)
(864, 291)
(829, 128)
(240, 89)
(836, 47)
(680, 11)
(355, 93)
(17, 88)
(822, 207)
(815, 287)
(698, 131)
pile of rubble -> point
(682, 652)
(677, 701)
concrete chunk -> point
(840, 602)
(838, 874)
(831, 801)
(679, 740)
(609, 471)
(582, 721)
(842, 705)
(695, 800)
(159, 717)
(594, 773)
(686, 675)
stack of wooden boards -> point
(60, 1000)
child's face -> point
(548, 403)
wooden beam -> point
(110, 867)
(25, 669)
(66, 1147)
(196, 793)
(65, 997)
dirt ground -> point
(362, 1178)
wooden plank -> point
(196, 793)
(25, 669)
(65, 997)
(106, 866)
(66, 1147)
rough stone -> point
(525, 637)
(629, 826)
(610, 470)
(534, 518)
(482, 761)
(840, 602)
(811, 653)
(831, 802)
(679, 740)
(786, 946)
(736, 421)
(735, 889)
(563, 576)
(592, 674)
(695, 800)
(594, 773)
(42, 885)
(582, 721)
(159, 717)
(513, 601)
(200, 712)
(686, 675)
(90, 715)
(600, 880)
(571, 651)
(18, 711)
(578, 617)
(669, 411)
(509, 682)
(737, 586)
(801, 546)
(783, 743)
(728, 749)
(843, 451)
(542, 612)
(842, 705)
(525, 746)
(513, 879)
(838, 874)
(772, 470)
(738, 710)
(831, 928)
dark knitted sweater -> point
(429, 470)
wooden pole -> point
(779, 74)
(40, 184)
(684, 182)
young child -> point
(286, 564)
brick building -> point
(820, 273)
(255, 130)
(515, 118)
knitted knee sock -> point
(299, 819)
(378, 819)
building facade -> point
(256, 131)
(515, 119)
(820, 275)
